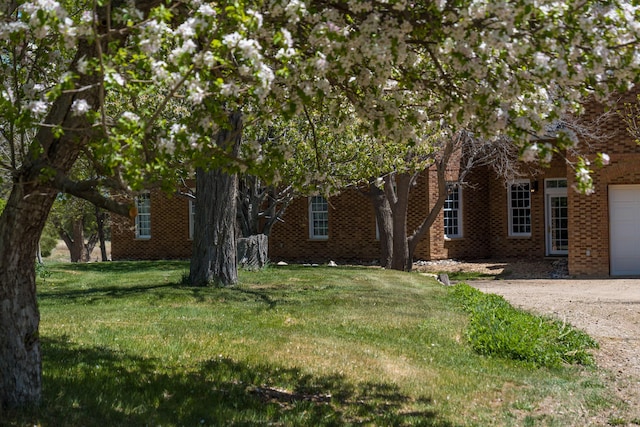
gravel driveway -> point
(607, 309)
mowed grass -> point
(124, 344)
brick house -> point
(535, 217)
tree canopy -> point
(411, 73)
(141, 87)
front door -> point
(557, 217)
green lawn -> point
(125, 344)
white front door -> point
(557, 217)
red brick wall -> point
(169, 232)
(589, 224)
(502, 245)
(352, 229)
(419, 205)
(474, 243)
(589, 220)
(352, 232)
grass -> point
(124, 344)
(497, 328)
(462, 276)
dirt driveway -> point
(607, 309)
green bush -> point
(48, 240)
(498, 329)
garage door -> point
(624, 229)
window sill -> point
(523, 237)
(143, 238)
(318, 239)
(454, 238)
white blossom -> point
(130, 116)
(294, 9)
(82, 65)
(571, 136)
(531, 153)
(207, 10)
(38, 108)
(187, 29)
(69, 32)
(229, 90)
(80, 107)
(114, 77)
(9, 28)
(257, 16)
(196, 92)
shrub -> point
(48, 240)
(498, 329)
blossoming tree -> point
(413, 73)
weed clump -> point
(498, 329)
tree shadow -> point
(96, 293)
(124, 266)
(199, 294)
(96, 386)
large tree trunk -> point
(79, 250)
(214, 259)
(74, 241)
(384, 219)
(21, 224)
(401, 259)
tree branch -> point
(87, 190)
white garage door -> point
(624, 226)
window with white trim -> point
(318, 218)
(143, 219)
(452, 210)
(519, 195)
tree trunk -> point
(250, 198)
(100, 217)
(39, 254)
(441, 166)
(75, 241)
(23, 220)
(253, 251)
(88, 246)
(401, 259)
(384, 219)
(20, 358)
(214, 259)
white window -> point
(520, 208)
(318, 218)
(453, 212)
(143, 219)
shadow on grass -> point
(123, 266)
(169, 290)
(97, 386)
(101, 292)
